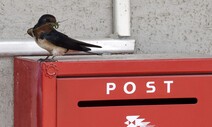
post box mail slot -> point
(118, 93)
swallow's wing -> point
(62, 40)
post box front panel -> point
(160, 101)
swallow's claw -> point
(47, 60)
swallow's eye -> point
(47, 20)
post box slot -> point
(137, 102)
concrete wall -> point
(172, 26)
(6, 92)
(159, 26)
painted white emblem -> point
(135, 121)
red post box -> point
(116, 91)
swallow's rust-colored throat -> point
(41, 29)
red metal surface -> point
(135, 67)
(46, 93)
(73, 90)
(34, 94)
(27, 94)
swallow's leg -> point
(53, 57)
(46, 58)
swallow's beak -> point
(30, 32)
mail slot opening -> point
(137, 102)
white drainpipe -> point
(121, 16)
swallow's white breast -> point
(51, 48)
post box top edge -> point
(76, 58)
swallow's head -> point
(47, 18)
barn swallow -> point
(55, 42)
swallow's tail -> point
(91, 45)
(86, 44)
(88, 50)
